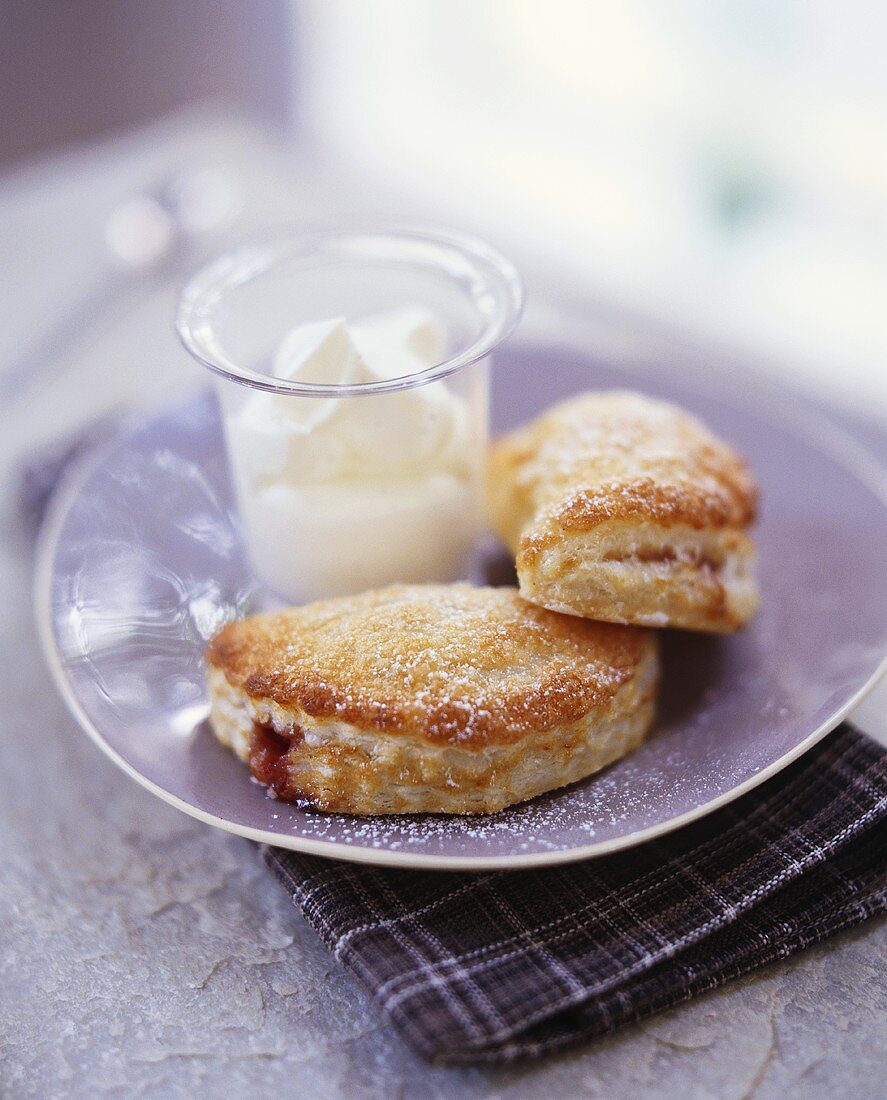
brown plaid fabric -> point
(494, 967)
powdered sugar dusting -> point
(451, 663)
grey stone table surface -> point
(144, 954)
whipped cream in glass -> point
(352, 370)
(341, 494)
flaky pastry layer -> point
(626, 509)
(338, 767)
(428, 698)
(450, 663)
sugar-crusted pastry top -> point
(614, 455)
(449, 663)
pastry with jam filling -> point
(428, 699)
(626, 509)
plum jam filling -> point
(269, 758)
(686, 556)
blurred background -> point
(700, 177)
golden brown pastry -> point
(428, 698)
(627, 509)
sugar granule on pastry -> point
(626, 509)
(428, 698)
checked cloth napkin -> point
(491, 967)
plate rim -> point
(836, 442)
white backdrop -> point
(719, 164)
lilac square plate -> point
(140, 562)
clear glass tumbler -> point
(356, 445)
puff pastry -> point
(428, 698)
(627, 509)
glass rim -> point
(204, 290)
